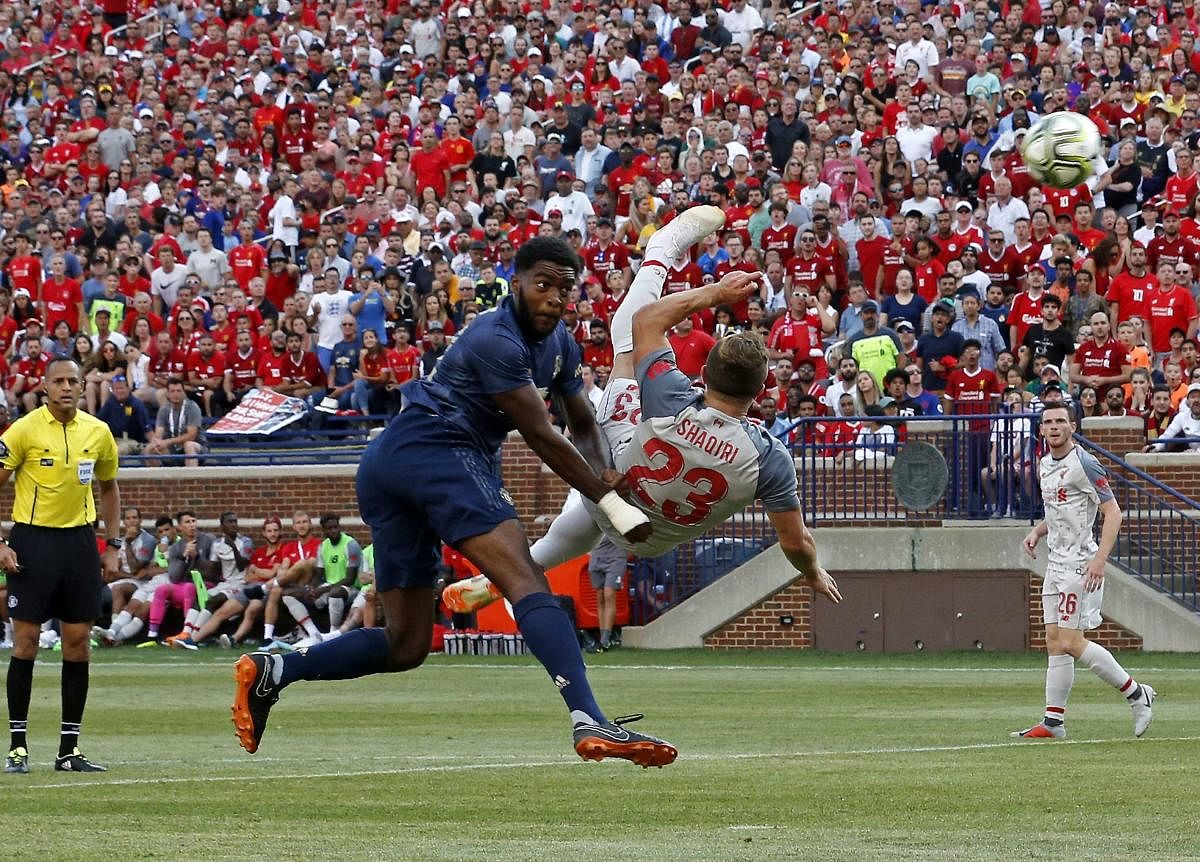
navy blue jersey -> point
(491, 357)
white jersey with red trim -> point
(690, 467)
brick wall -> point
(758, 627)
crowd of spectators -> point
(316, 197)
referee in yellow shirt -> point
(52, 561)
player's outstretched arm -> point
(528, 411)
(798, 546)
(651, 323)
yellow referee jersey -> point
(55, 465)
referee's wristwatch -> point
(117, 543)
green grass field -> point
(782, 756)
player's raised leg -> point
(666, 246)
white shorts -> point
(134, 582)
(145, 590)
(1064, 602)
(619, 412)
(360, 601)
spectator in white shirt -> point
(1004, 212)
(918, 48)
(742, 21)
(915, 138)
(1185, 424)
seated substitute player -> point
(339, 558)
(264, 565)
(129, 623)
(1074, 488)
(691, 460)
(495, 378)
(231, 596)
(136, 554)
(362, 609)
(297, 561)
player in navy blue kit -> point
(433, 476)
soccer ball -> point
(1060, 148)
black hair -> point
(330, 516)
(225, 515)
(550, 249)
(972, 342)
(894, 374)
(55, 361)
(164, 521)
(133, 509)
(184, 513)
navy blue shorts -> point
(422, 482)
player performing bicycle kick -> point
(691, 458)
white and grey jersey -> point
(1073, 489)
(222, 552)
(690, 466)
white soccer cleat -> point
(685, 230)
(1143, 710)
(308, 642)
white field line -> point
(600, 668)
(570, 762)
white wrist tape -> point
(620, 514)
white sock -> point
(203, 617)
(1101, 662)
(122, 619)
(1060, 675)
(8, 630)
(646, 289)
(333, 633)
(268, 632)
(572, 534)
(337, 611)
(189, 621)
(300, 615)
(129, 630)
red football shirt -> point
(1174, 308)
(691, 350)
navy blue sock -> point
(549, 636)
(358, 653)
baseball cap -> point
(1053, 368)
(870, 305)
(905, 326)
(843, 140)
(435, 326)
(1053, 384)
(564, 175)
(1193, 387)
(946, 306)
(963, 205)
(1128, 121)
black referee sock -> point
(74, 698)
(19, 690)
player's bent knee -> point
(214, 603)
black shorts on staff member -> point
(59, 576)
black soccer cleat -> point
(17, 761)
(253, 697)
(598, 741)
(76, 762)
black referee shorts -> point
(59, 575)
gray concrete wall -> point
(1163, 624)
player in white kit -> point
(691, 459)
(1074, 488)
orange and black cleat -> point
(254, 695)
(1041, 731)
(598, 741)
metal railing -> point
(1160, 532)
(340, 440)
(845, 473)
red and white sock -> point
(1060, 676)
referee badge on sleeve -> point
(3, 451)
(86, 470)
